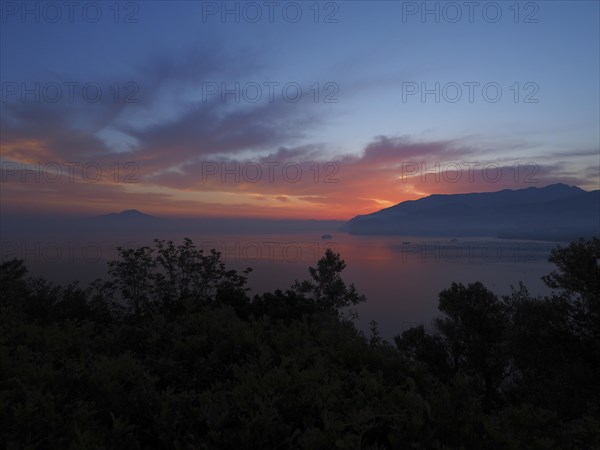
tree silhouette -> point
(327, 288)
(132, 275)
(578, 275)
(193, 362)
(474, 333)
(12, 281)
(170, 276)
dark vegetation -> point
(172, 352)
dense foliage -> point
(172, 352)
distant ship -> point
(326, 236)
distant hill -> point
(130, 214)
(556, 212)
(128, 220)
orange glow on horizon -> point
(363, 185)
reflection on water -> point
(400, 275)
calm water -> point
(401, 276)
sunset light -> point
(308, 224)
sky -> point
(301, 110)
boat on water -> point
(326, 236)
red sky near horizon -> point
(290, 183)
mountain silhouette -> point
(128, 220)
(555, 212)
(129, 214)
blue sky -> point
(372, 52)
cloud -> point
(64, 133)
(389, 171)
(195, 157)
(396, 150)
